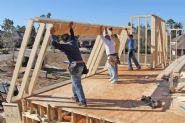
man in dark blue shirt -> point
(131, 52)
(76, 66)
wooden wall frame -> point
(158, 40)
(27, 86)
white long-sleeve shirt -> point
(109, 46)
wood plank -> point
(74, 118)
(59, 115)
(114, 103)
(144, 16)
(170, 47)
(54, 86)
(93, 62)
(170, 68)
(12, 112)
(40, 59)
(92, 53)
(99, 57)
(176, 44)
(176, 29)
(79, 28)
(157, 17)
(95, 55)
(165, 43)
(19, 60)
(161, 43)
(146, 39)
(49, 112)
(158, 43)
(167, 47)
(179, 67)
(139, 40)
(123, 40)
(32, 116)
(31, 59)
(153, 42)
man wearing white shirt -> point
(111, 55)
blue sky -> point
(109, 12)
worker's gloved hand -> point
(70, 24)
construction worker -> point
(116, 44)
(111, 55)
(76, 63)
(131, 52)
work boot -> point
(82, 104)
(75, 99)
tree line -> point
(9, 31)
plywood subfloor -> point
(118, 102)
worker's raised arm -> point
(52, 36)
(71, 31)
(53, 39)
(128, 34)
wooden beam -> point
(41, 111)
(158, 44)
(146, 16)
(146, 40)
(170, 46)
(167, 47)
(93, 54)
(73, 118)
(59, 111)
(170, 68)
(179, 67)
(139, 40)
(157, 17)
(153, 42)
(24, 105)
(31, 59)
(99, 57)
(176, 45)
(123, 40)
(162, 43)
(176, 29)
(19, 60)
(93, 62)
(79, 28)
(40, 59)
(12, 112)
(49, 113)
(182, 49)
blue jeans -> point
(113, 71)
(131, 55)
(77, 89)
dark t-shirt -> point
(70, 48)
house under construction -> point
(107, 103)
